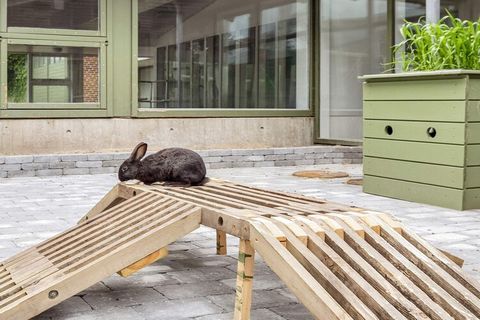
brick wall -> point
(90, 78)
(96, 163)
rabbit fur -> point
(171, 165)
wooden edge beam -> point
(142, 263)
(457, 260)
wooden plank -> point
(244, 286)
(375, 268)
(313, 296)
(221, 243)
(437, 111)
(445, 132)
(340, 291)
(104, 266)
(473, 111)
(472, 177)
(439, 175)
(388, 219)
(227, 222)
(429, 285)
(444, 154)
(473, 133)
(473, 155)
(349, 221)
(436, 255)
(293, 227)
(455, 259)
(442, 277)
(304, 222)
(331, 223)
(381, 298)
(142, 263)
(414, 90)
(415, 192)
(272, 229)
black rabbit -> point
(172, 165)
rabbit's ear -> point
(139, 151)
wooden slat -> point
(442, 154)
(416, 192)
(374, 267)
(439, 89)
(371, 283)
(445, 111)
(107, 264)
(439, 275)
(340, 291)
(435, 291)
(452, 133)
(426, 173)
(313, 296)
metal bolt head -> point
(53, 294)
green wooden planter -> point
(422, 137)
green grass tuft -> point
(451, 43)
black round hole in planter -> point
(220, 221)
(389, 130)
(432, 132)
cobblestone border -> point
(96, 163)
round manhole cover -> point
(321, 174)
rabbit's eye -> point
(124, 169)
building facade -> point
(101, 75)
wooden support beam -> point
(243, 296)
(142, 263)
(221, 243)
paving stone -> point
(203, 274)
(122, 298)
(65, 309)
(219, 152)
(178, 309)
(293, 312)
(75, 171)
(35, 166)
(190, 290)
(49, 172)
(46, 158)
(258, 314)
(61, 165)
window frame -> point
(217, 112)
(53, 37)
(102, 8)
(101, 104)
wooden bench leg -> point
(221, 243)
(243, 296)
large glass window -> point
(51, 74)
(53, 14)
(224, 54)
(353, 41)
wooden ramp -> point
(341, 262)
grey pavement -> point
(192, 282)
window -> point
(51, 74)
(353, 42)
(53, 14)
(224, 54)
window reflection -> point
(223, 54)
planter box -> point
(422, 137)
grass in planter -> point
(449, 44)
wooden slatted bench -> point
(341, 262)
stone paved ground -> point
(192, 282)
